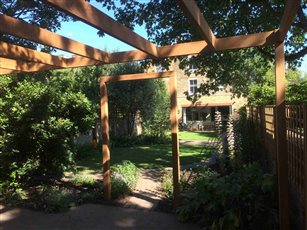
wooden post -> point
(175, 142)
(281, 137)
(305, 161)
(105, 140)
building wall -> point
(220, 98)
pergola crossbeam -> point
(18, 28)
(287, 18)
(246, 41)
(8, 71)
(137, 76)
(22, 66)
(192, 11)
(94, 17)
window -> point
(192, 86)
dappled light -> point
(17, 59)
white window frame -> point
(189, 85)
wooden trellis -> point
(15, 59)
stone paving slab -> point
(147, 193)
(91, 216)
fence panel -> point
(296, 117)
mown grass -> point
(199, 136)
(144, 157)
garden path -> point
(147, 193)
(90, 216)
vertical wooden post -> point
(105, 140)
(305, 161)
(262, 124)
(175, 142)
(281, 137)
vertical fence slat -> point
(305, 161)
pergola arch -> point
(15, 59)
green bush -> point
(55, 199)
(124, 179)
(84, 181)
(39, 119)
(241, 200)
(167, 183)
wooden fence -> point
(263, 117)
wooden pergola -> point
(16, 59)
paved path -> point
(147, 193)
(89, 217)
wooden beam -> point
(105, 140)
(175, 141)
(246, 41)
(8, 71)
(192, 48)
(18, 28)
(281, 137)
(21, 53)
(6, 63)
(193, 12)
(137, 76)
(78, 61)
(18, 52)
(94, 17)
(291, 8)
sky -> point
(86, 34)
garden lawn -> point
(153, 156)
(198, 136)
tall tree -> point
(165, 23)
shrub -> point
(241, 200)
(124, 178)
(167, 184)
(84, 181)
(55, 199)
(38, 121)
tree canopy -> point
(165, 24)
(34, 12)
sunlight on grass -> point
(154, 156)
(199, 136)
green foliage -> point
(241, 200)
(124, 178)
(33, 12)
(84, 181)
(156, 119)
(55, 199)
(167, 183)
(297, 93)
(261, 95)
(264, 93)
(226, 18)
(39, 119)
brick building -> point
(200, 115)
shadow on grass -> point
(146, 157)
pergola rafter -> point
(27, 60)
(8, 71)
(287, 18)
(94, 17)
(25, 30)
(23, 66)
(191, 9)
